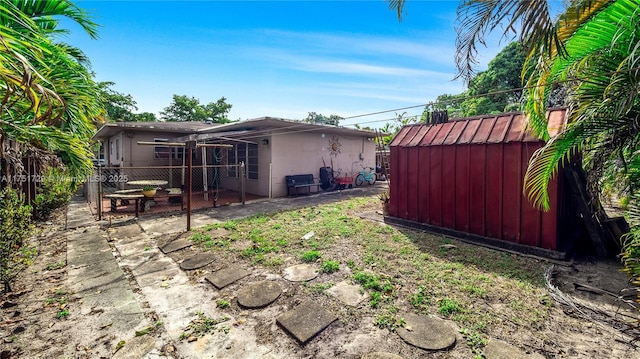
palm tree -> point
(48, 97)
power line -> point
(433, 103)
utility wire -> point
(431, 103)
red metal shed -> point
(467, 176)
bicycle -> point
(368, 175)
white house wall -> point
(304, 153)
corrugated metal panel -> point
(399, 137)
(442, 134)
(467, 175)
(413, 166)
(470, 132)
(487, 129)
(499, 130)
(456, 132)
(431, 134)
(418, 137)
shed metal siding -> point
(467, 175)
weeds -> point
(203, 325)
(448, 307)
(330, 266)
(310, 256)
(222, 303)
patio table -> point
(155, 183)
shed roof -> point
(500, 128)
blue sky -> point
(277, 58)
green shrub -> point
(55, 191)
(15, 228)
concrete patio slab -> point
(197, 261)
(306, 321)
(348, 294)
(300, 273)
(259, 294)
(226, 276)
(176, 245)
(427, 332)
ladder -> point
(384, 161)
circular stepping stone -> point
(381, 355)
(300, 273)
(426, 332)
(176, 245)
(197, 261)
(259, 294)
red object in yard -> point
(467, 176)
(344, 181)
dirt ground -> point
(32, 316)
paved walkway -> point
(128, 285)
(131, 287)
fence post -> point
(99, 179)
(242, 183)
(190, 146)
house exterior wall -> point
(304, 153)
(260, 186)
(278, 156)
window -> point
(161, 152)
(117, 149)
(164, 152)
(247, 153)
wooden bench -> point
(114, 197)
(301, 181)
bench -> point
(301, 181)
(114, 197)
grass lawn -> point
(486, 292)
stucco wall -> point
(304, 153)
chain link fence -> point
(118, 190)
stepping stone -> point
(176, 245)
(381, 355)
(300, 273)
(347, 293)
(197, 261)
(226, 276)
(497, 349)
(305, 321)
(427, 332)
(259, 294)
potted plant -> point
(384, 199)
(149, 191)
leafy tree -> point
(143, 117)
(185, 108)
(501, 83)
(318, 119)
(118, 106)
(48, 96)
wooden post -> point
(99, 179)
(242, 197)
(190, 146)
